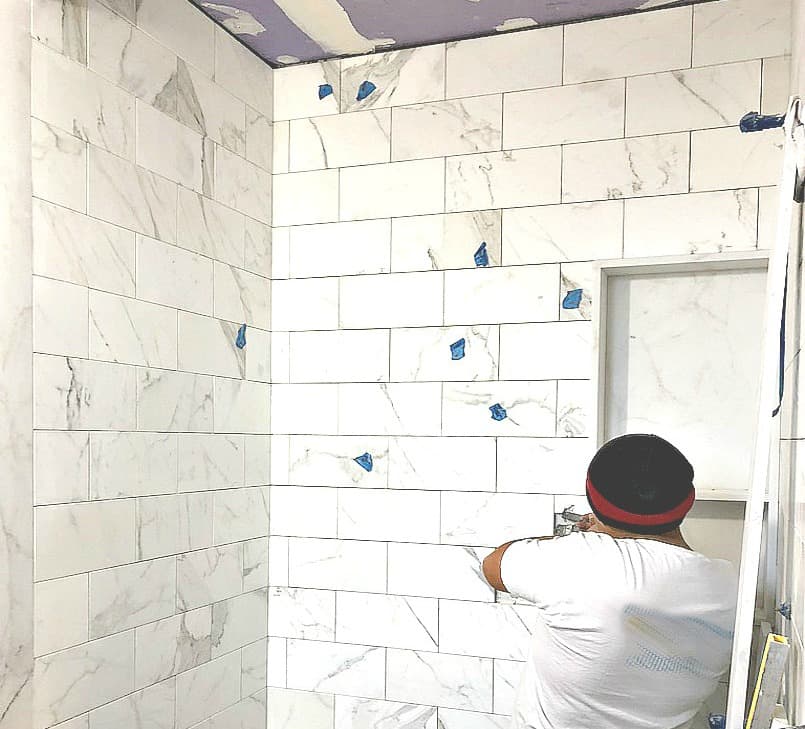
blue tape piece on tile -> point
(365, 461)
(572, 299)
(754, 122)
(717, 721)
(457, 349)
(325, 90)
(240, 340)
(481, 256)
(366, 88)
(498, 411)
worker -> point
(634, 628)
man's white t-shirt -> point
(631, 634)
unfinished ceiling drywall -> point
(285, 32)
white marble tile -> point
(393, 515)
(706, 222)
(207, 227)
(387, 620)
(441, 128)
(207, 346)
(258, 247)
(477, 296)
(345, 140)
(253, 669)
(453, 572)
(775, 84)
(351, 713)
(276, 659)
(492, 519)
(241, 296)
(304, 511)
(287, 709)
(458, 682)
(392, 190)
(208, 576)
(132, 332)
(242, 185)
(336, 668)
(337, 249)
(172, 524)
(579, 113)
(180, 27)
(530, 408)
(338, 356)
(635, 167)
(627, 45)
(331, 564)
(573, 408)
(577, 276)
(60, 318)
(255, 563)
(70, 97)
(768, 211)
(329, 461)
(281, 140)
(304, 304)
(389, 409)
(300, 613)
(75, 538)
(242, 406)
(740, 30)
(61, 25)
(444, 241)
(296, 90)
(125, 597)
(504, 179)
(408, 76)
(259, 139)
(210, 461)
(131, 196)
(75, 680)
(207, 689)
(507, 681)
(456, 464)
(58, 166)
(239, 621)
(248, 713)
(543, 465)
(489, 630)
(210, 110)
(132, 464)
(399, 300)
(61, 467)
(456, 719)
(571, 232)
(60, 616)
(126, 56)
(172, 645)
(125, 8)
(243, 74)
(300, 198)
(548, 351)
(424, 354)
(508, 62)
(714, 96)
(76, 248)
(302, 409)
(151, 708)
(75, 394)
(240, 514)
(278, 561)
(726, 158)
(174, 401)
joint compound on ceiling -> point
(239, 22)
(327, 23)
(516, 24)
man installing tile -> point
(634, 628)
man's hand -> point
(589, 523)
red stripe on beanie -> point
(609, 511)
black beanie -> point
(640, 483)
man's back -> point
(632, 633)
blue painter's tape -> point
(240, 340)
(325, 90)
(498, 411)
(457, 349)
(717, 721)
(481, 256)
(754, 122)
(364, 461)
(572, 299)
(366, 88)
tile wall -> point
(151, 246)
(556, 147)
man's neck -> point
(673, 537)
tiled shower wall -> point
(555, 147)
(152, 201)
